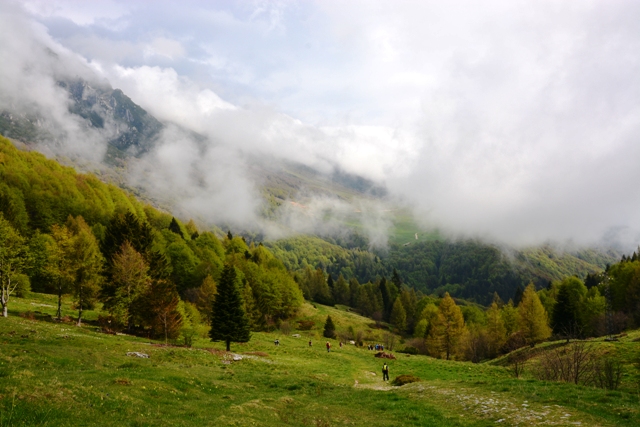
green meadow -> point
(56, 374)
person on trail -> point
(277, 342)
(328, 346)
(340, 344)
(385, 372)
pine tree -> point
(228, 319)
(517, 297)
(174, 227)
(341, 291)
(396, 280)
(386, 299)
(398, 317)
(329, 328)
(448, 329)
(532, 317)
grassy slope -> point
(57, 375)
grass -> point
(55, 374)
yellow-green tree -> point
(447, 329)
(60, 265)
(532, 317)
(496, 332)
(131, 280)
(510, 318)
(87, 263)
(12, 260)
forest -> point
(70, 234)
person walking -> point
(309, 343)
(328, 346)
(385, 372)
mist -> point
(513, 122)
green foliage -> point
(398, 317)
(329, 328)
(532, 317)
(13, 257)
(229, 322)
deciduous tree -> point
(447, 329)
(532, 317)
(13, 256)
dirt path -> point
(489, 405)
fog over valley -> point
(514, 122)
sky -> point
(512, 121)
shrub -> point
(23, 285)
(608, 373)
(285, 327)
(409, 350)
(401, 380)
(305, 325)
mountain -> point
(426, 261)
(127, 128)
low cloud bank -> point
(515, 125)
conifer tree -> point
(398, 316)
(517, 297)
(532, 317)
(445, 336)
(496, 332)
(174, 227)
(386, 299)
(228, 319)
(329, 328)
(341, 291)
(510, 318)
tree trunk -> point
(59, 313)
(79, 316)
(4, 303)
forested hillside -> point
(70, 234)
(466, 269)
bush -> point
(608, 373)
(23, 285)
(305, 325)
(401, 380)
(285, 327)
(409, 350)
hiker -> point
(328, 346)
(385, 372)
(340, 344)
(309, 343)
